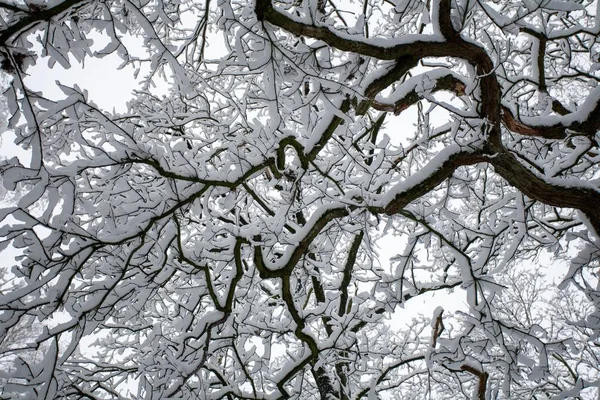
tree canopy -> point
(228, 235)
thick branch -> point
(12, 7)
(422, 46)
(448, 83)
(559, 130)
(38, 16)
(415, 190)
(348, 273)
(445, 22)
(584, 199)
(428, 183)
(483, 377)
(402, 66)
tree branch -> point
(34, 17)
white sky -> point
(110, 88)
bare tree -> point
(221, 241)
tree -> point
(219, 239)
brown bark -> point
(490, 108)
(483, 377)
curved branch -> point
(389, 369)
(419, 47)
(398, 198)
(447, 82)
(483, 377)
(577, 122)
(581, 198)
(38, 16)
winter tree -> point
(288, 180)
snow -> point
(376, 41)
(125, 253)
(422, 83)
(425, 172)
(589, 108)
